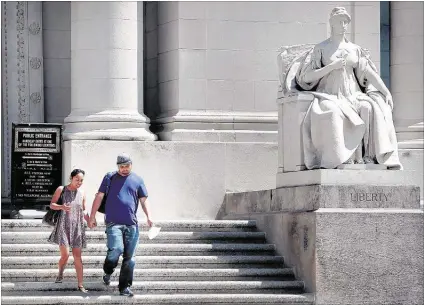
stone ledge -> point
(31, 214)
(351, 177)
(314, 197)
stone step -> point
(16, 225)
(162, 287)
(163, 237)
(210, 299)
(31, 214)
(93, 274)
(39, 262)
(145, 249)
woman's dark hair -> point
(76, 172)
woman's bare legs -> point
(64, 255)
(76, 252)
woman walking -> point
(69, 231)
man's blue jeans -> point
(121, 239)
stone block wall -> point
(57, 60)
(407, 68)
(350, 244)
(221, 56)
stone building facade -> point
(187, 88)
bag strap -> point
(109, 182)
(61, 196)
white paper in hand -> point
(153, 232)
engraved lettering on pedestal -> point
(35, 62)
(34, 28)
(369, 197)
(35, 97)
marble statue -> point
(350, 118)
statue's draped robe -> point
(332, 129)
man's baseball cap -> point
(123, 159)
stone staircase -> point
(189, 262)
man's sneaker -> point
(127, 292)
(106, 279)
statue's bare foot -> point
(359, 161)
(369, 160)
(349, 161)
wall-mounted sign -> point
(36, 162)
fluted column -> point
(105, 52)
(407, 66)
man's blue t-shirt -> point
(122, 200)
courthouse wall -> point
(217, 61)
(57, 60)
(221, 56)
(216, 56)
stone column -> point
(407, 66)
(105, 53)
(22, 74)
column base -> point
(108, 125)
(218, 126)
(121, 134)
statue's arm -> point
(367, 74)
(314, 75)
(375, 80)
(318, 72)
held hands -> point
(91, 223)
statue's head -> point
(339, 20)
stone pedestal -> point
(106, 73)
(353, 237)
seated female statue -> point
(350, 119)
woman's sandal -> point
(82, 289)
(59, 279)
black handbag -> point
(52, 216)
(102, 207)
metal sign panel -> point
(36, 162)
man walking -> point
(125, 190)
